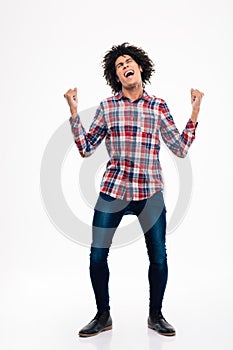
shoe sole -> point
(167, 334)
(83, 335)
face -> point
(128, 72)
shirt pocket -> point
(148, 122)
(147, 129)
(150, 139)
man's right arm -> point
(86, 142)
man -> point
(130, 122)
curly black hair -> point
(137, 54)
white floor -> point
(41, 310)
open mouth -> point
(129, 73)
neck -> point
(133, 93)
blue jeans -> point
(151, 213)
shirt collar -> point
(145, 96)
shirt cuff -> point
(74, 120)
(191, 126)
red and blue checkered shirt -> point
(131, 133)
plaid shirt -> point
(131, 132)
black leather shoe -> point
(157, 322)
(100, 323)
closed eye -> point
(119, 65)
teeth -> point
(127, 73)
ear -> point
(140, 68)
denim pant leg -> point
(104, 226)
(99, 274)
(153, 223)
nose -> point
(125, 65)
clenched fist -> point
(72, 99)
(196, 97)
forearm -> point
(194, 115)
(79, 134)
(73, 113)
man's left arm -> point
(179, 143)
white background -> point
(46, 296)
